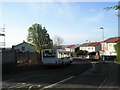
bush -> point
(74, 55)
(117, 48)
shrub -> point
(117, 48)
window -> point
(23, 48)
(48, 54)
(110, 45)
(63, 55)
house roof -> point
(113, 39)
(84, 44)
(73, 46)
(70, 46)
(21, 44)
(93, 44)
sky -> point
(75, 22)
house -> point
(23, 47)
(72, 48)
(107, 46)
(94, 47)
(83, 46)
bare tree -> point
(57, 41)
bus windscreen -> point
(48, 53)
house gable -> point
(24, 47)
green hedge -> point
(117, 48)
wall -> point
(98, 48)
(17, 57)
(104, 46)
(90, 49)
(0, 57)
(8, 56)
(70, 49)
(109, 49)
(1, 69)
(28, 58)
(82, 48)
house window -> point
(110, 45)
(23, 48)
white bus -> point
(56, 57)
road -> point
(43, 76)
(77, 75)
(103, 76)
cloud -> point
(61, 10)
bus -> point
(56, 57)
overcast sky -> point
(75, 22)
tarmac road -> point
(79, 75)
(103, 76)
(43, 76)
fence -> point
(15, 57)
(28, 58)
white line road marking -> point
(57, 83)
(24, 86)
(18, 84)
(39, 86)
(102, 83)
(30, 87)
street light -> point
(101, 28)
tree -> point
(38, 37)
(117, 48)
(117, 7)
(57, 41)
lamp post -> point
(101, 28)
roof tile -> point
(113, 39)
(93, 44)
